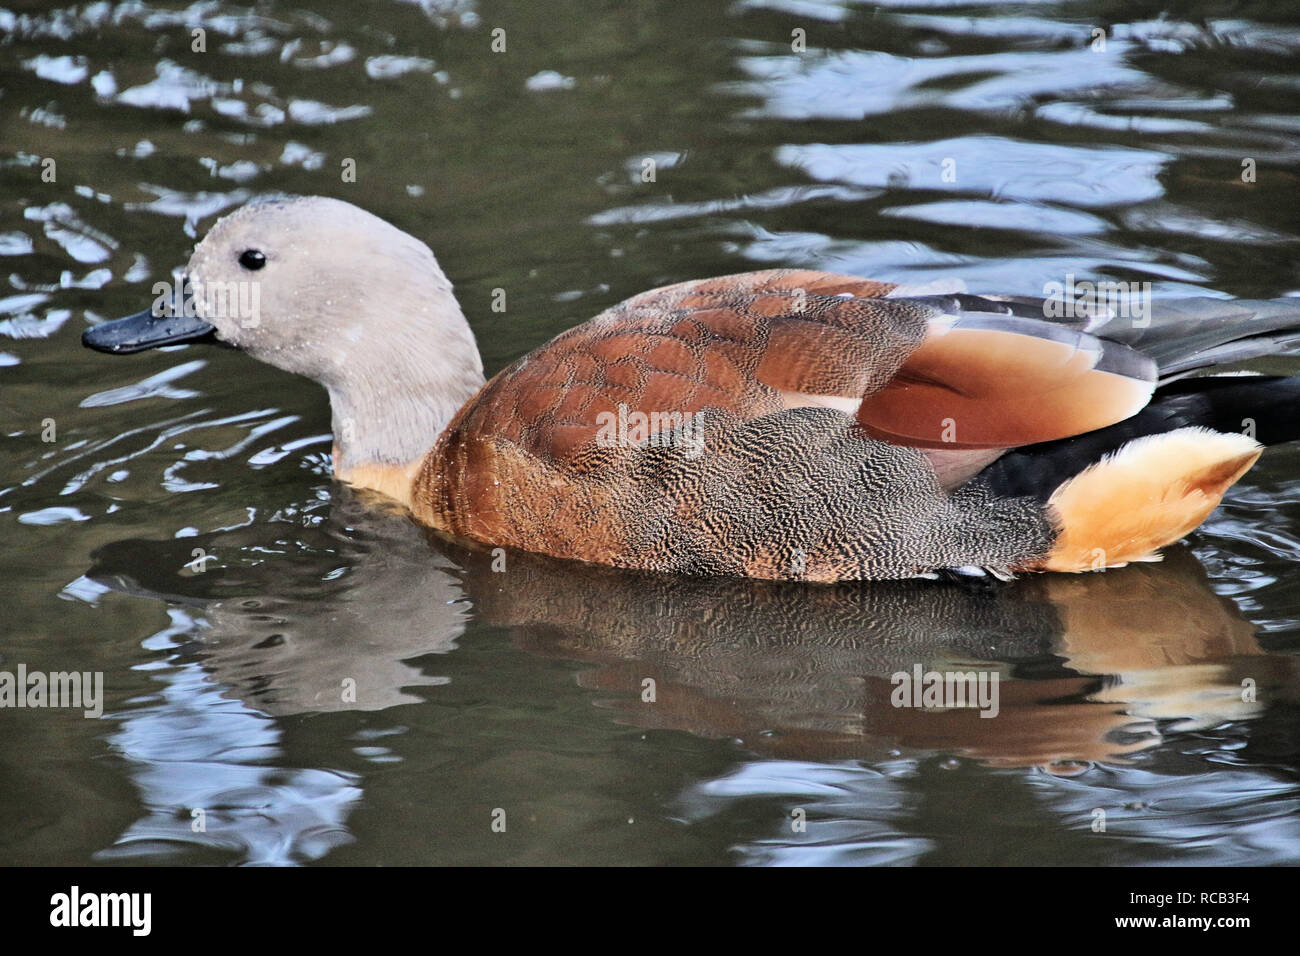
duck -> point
(786, 424)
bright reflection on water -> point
(337, 687)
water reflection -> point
(208, 773)
(1093, 669)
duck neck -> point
(389, 408)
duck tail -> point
(1262, 408)
(1148, 494)
(1120, 493)
(1186, 336)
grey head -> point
(324, 289)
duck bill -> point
(144, 330)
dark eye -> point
(252, 259)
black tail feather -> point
(1184, 335)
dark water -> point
(522, 692)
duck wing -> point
(944, 372)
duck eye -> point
(252, 259)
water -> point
(337, 687)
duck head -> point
(321, 288)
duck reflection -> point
(1089, 667)
(304, 619)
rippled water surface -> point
(1005, 145)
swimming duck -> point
(785, 424)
